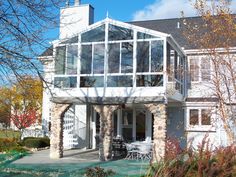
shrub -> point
(7, 143)
(33, 142)
(99, 172)
(203, 162)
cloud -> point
(162, 9)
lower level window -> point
(199, 117)
(65, 82)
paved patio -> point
(73, 164)
(70, 156)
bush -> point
(7, 143)
(33, 142)
(202, 162)
(99, 172)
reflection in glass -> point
(149, 80)
(194, 117)
(143, 57)
(71, 40)
(98, 59)
(94, 35)
(60, 60)
(65, 82)
(114, 58)
(206, 117)
(92, 81)
(86, 59)
(141, 35)
(119, 33)
(119, 81)
(157, 56)
(127, 57)
(72, 55)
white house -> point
(138, 72)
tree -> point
(26, 102)
(5, 106)
(216, 36)
(22, 39)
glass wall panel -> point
(94, 35)
(157, 56)
(119, 33)
(145, 36)
(98, 59)
(143, 57)
(86, 59)
(60, 60)
(149, 80)
(119, 81)
(72, 56)
(114, 58)
(127, 57)
(71, 40)
(92, 81)
(65, 82)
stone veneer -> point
(56, 139)
(159, 127)
(105, 137)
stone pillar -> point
(56, 139)
(159, 126)
(105, 136)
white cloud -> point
(161, 9)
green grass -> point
(9, 134)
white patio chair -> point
(144, 151)
(131, 152)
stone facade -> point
(159, 126)
(105, 137)
(56, 143)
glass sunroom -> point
(116, 59)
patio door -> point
(140, 124)
(127, 124)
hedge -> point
(33, 142)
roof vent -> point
(77, 2)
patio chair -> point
(144, 152)
(131, 152)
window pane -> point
(145, 36)
(127, 57)
(94, 35)
(143, 57)
(206, 117)
(119, 81)
(92, 81)
(72, 55)
(60, 60)
(114, 58)
(86, 59)
(65, 82)
(71, 40)
(98, 59)
(205, 69)
(157, 56)
(127, 117)
(193, 117)
(194, 69)
(119, 33)
(149, 80)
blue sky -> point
(128, 10)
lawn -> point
(9, 134)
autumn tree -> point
(26, 102)
(215, 35)
(5, 106)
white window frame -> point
(201, 127)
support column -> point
(105, 136)
(159, 126)
(56, 139)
